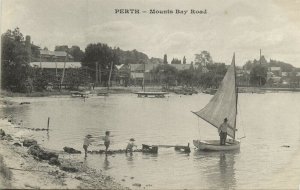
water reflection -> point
(106, 164)
(221, 170)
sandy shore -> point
(28, 173)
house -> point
(56, 65)
(276, 71)
(284, 74)
(60, 56)
(140, 72)
(123, 74)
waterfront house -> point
(276, 71)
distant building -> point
(275, 70)
(284, 74)
(59, 56)
(55, 65)
(139, 72)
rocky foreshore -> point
(26, 165)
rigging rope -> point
(199, 131)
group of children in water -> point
(87, 141)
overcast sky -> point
(230, 26)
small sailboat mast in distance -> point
(222, 105)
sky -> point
(240, 26)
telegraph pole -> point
(96, 73)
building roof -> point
(53, 65)
(119, 66)
(275, 68)
(141, 67)
(46, 52)
(60, 53)
(55, 53)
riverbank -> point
(132, 89)
(20, 170)
(96, 90)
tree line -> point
(98, 64)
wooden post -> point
(48, 123)
(96, 73)
(40, 61)
(111, 66)
(56, 69)
(63, 75)
(143, 87)
(99, 75)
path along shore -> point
(20, 170)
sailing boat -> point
(222, 105)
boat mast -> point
(144, 77)
(236, 96)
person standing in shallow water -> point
(86, 142)
(106, 140)
(130, 145)
(223, 131)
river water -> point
(268, 121)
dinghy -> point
(222, 105)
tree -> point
(175, 61)
(184, 60)
(64, 48)
(165, 59)
(186, 77)
(77, 53)
(15, 61)
(258, 75)
(203, 58)
(165, 74)
(104, 56)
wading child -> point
(86, 142)
(130, 145)
(106, 140)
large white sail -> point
(224, 103)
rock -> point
(137, 184)
(29, 142)
(2, 133)
(71, 150)
(7, 137)
(78, 177)
(68, 168)
(123, 179)
(47, 155)
(132, 178)
(17, 144)
(24, 103)
(286, 146)
(54, 161)
(40, 153)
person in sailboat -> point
(223, 131)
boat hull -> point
(214, 145)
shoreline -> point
(28, 172)
(132, 89)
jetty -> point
(151, 149)
(84, 94)
(151, 94)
